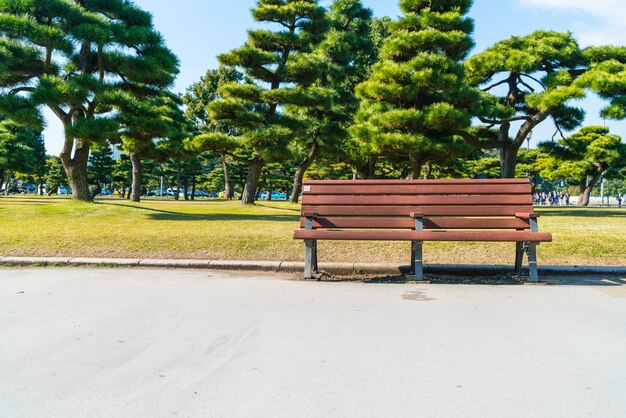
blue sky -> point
(198, 30)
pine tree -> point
(585, 157)
(142, 124)
(345, 56)
(197, 99)
(279, 65)
(534, 78)
(21, 150)
(73, 57)
(416, 99)
(101, 166)
(55, 174)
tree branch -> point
(503, 121)
(59, 112)
(478, 143)
(535, 120)
(21, 89)
(534, 79)
(525, 84)
(499, 83)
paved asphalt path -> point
(158, 343)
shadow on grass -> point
(586, 213)
(168, 215)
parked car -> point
(201, 193)
(274, 196)
(172, 192)
(62, 190)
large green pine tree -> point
(535, 78)
(416, 99)
(345, 57)
(279, 64)
(73, 57)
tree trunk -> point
(299, 174)
(415, 171)
(508, 161)
(252, 181)
(269, 193)
(136, 187)
(76, 169)
(53, 190)
(587, 188)
(428, 169)
(193, 188)
(96, 190)
(185, 188)
(177, 193)
(7, 186)
(1, 177)
(229, 191)
(40, 185)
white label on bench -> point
(307, 188)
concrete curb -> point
(296, 267)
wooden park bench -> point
(421, 210)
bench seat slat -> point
(429, 223)
(331, 210)
(405, 200)
(417, 189)
(424, 182)
(405, 235)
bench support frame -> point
(519, 257)
(532, 253)
(530, 248)
(417, 249)
(310, 252)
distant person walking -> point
(620, 197)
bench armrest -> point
(309, 215)
(415, 215)
(527, 215)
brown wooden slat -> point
(429, 223)
(405, 210)
(425, 182)
(404, 200)
(412, 189)
(400, 235)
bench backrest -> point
(446, 204)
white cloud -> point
(609, 26)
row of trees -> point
(317, 90)
(398, 98)
(575, 164)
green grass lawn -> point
(51, 226)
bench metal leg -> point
(412, 257)
(532, 262)
(417, 260)
(315, 266)
(519, 257)
(308, 258)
